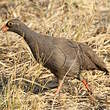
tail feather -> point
(94, 58)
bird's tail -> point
(94, 58)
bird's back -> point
(85, 58)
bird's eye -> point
(10, 24)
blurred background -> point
(22, 79)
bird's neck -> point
(24, 31)
(27, 33)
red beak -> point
(4, 28)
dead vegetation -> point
(80, 20)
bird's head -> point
(14, 25)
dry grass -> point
(73, 19)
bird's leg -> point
(87, 87)
(60, 82)
(92, 98)
(84, 82)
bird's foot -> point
(59, 88)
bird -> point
(60, 55)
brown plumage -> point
(58, 54)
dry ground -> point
(81, 20)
